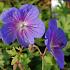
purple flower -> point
(55, 40)
(0, 35)
(22, 24)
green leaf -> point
(12, 52)
(14, 60)
(67, 49)
(39, 42)
(1, 6)
(45, 65)
(1, 61)
(48, 59)
(24, 59)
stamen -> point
(21, 25)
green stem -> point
(43, 58)
(42, 65)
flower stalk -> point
(18, 64)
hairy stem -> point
(31, 46)
(20, 66)
(15, 66)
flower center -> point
(22, 26)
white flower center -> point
(22, 26)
